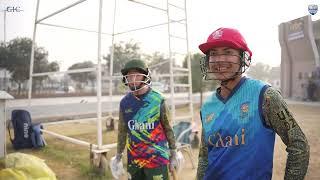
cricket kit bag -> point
(26, 134)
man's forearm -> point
(165, 121)
(279, 118)
(298, 158)
(203, 159)
(122, 134)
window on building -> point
(306, 76)
(300, 75)
(318, 44)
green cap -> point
(136, 64)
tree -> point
(42, 65)
(259, 71)
(19, 53)
(195, 71)
(157, 62)
(3, 55)
(83, 77)
(123, 52)
(197, 82)
(53, 66)
(17, 60)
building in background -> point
(274, 77)
(4, 79)
(300, 46)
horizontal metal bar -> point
(79, 29)
(79, 142)
(180, 69)
(180, 75)
(159, 64)
(148, 5)
(65, 72)
(69, 139)
(109, 146)
(181, 85)
(178, 7)
(146, 27)
(151, 26)
(180, 101)
(72, 28)
(178, 21)
(177, 37)
(184, 54)
(78, 120)
(168, 75)
(161, 75)
(61, 10)
(117, 77)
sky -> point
(258, 22)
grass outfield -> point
(70, 161)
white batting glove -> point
(116, 166)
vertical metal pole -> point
(5, 80)
(112, 56)
(99, 123)
(2, 128)
(32, 52)
(3, 98)
(4, 27)
(5, 44)
(173, 110)
(189, 63)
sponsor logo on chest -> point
(135, 125)
(209, 117)
(217, 140)
(244, 110)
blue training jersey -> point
(239, 145)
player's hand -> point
(174, 164)
(116, 166)
(118, 157)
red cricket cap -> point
(225, 37)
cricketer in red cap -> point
(240, 119)
(226, 38)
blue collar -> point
(234, 90)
